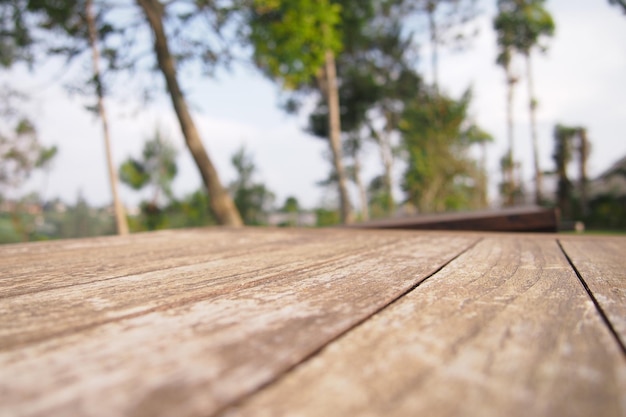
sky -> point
(580, 80)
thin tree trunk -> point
(584, 154)
(120, 215)
(334, 129)
(510, 181)
(222, 204)
(434, 43)
(533, 131)
(484, 192)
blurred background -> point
(120, 116)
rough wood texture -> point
(504, 330)
(189, 336)
(602, 265)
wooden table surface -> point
(334, 322)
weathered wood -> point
(212, 332)
(43, 266)
(602, 264)
(57, 310)
(524, 219)
(504, 330)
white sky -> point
(580, 81)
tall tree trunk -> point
(222, 204)
(434, 43)
(532, 105)
(510, 181)
(584, 155)
(483, 183)
(120, 215)
(334, 129)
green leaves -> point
(252, 199)
(133, 174)
(520, 25)
(291, 37)
(157, 168)
(440, 174)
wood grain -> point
(504, 330)
(602, 265)
(82, 261)
(39, 315)
(213, 332)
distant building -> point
(612, 182)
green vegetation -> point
(353, 62)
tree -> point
(527, 23)
(20, 150)
(376, 78)
(20, 155)
(120, 215)
(252, 199)
(157, 169)
(564, 149)
(15, 36)
(562, 157)
(222, 204)
(437, 134)
(296, 42)
(194, 26)
(505, 30)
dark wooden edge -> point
(524, 219)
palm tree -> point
(505, 34)
(529, 21)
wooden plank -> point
(60, 308)
(602, 264)
(194, 357)
(504, 330)
(519, 219)
(81, 261)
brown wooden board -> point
(504, 220)
(57, 308)
(189, 341)
(504, 330)
(601, 263)
(25, 269)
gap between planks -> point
(341, 335)
(593, 298)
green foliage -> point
(520, 25)
(157, 168)
(437, 137)
(191, 211)
(380, 202)
(15, 36)
(291, 37)
(132, 173)
(21, 153)
(607, 212)
(291, 205)
(562, 156)
(252, 199)
(326, 217)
